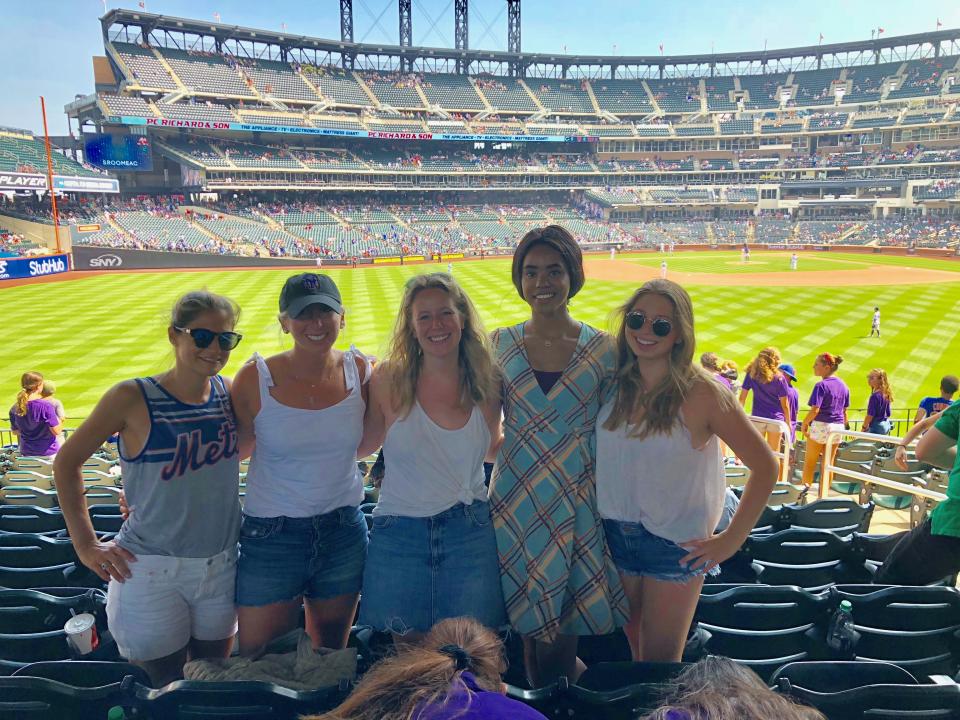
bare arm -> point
(938, 449)
(108, 560)
(374, 420)
(811, 416)
(494, 416)
(921, 414)
(785, 407)
(743, 397)
(900, 456)
(245, 398)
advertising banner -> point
(33, 181)
(339, 132)
(130, 153)
(86, 257)
(28, 267)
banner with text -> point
(28, 267)
(339, 132)
(66, 183)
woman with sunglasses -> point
(303, 540)
(172, 566)
(435, 408)
(558, 579)
(660, 476)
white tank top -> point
(429, 469)
(675, 491)
(305, 461)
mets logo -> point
(311, 282)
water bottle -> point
(841, 636)
(116, 713)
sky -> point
(46, 46)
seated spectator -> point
(716, 688)
(47, 393)
(34, 420)
(949, 385)
(454, 673)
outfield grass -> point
(89, 333)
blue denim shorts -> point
(283, 558)
(423, 570)
(637, 551)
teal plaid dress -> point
(555, 568)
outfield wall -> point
(98, 258)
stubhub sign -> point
(19, 268)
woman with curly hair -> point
(877, 419)
(454, 673)
(435, 408)
(771, 391)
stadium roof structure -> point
(190, 34)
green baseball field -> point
(90, 331)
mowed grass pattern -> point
(90, 333)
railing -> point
(829, 469)
(768, 425)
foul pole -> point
(53, 195)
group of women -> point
(607, 488)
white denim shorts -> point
(169, 600)
(819, 430)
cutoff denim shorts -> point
(637, 551)
(423, 570)
(318, 557)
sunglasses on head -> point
(203, 337)
(661, 327)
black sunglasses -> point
(203, 337)
(661, 327)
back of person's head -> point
(765, 366)
(48, 389)
(30, 382)
(710, 361)
(949, 384)
(426, 674)
(831, 361)
(716, 688)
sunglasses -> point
(203, 337)
(661, 327)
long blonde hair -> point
(719, 689)
(30, 382)
(883, 383)
(655, 410)
(404, 360)
(426, 675)
(765, 366)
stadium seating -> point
(147, 71)
(562, 96)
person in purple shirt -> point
(877, 419)
(793, 398)
(828, 412)
(34, 420)
(711, 363)
(770, 390)
(454, 672)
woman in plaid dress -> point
(558, 579)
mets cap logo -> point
(311, 282)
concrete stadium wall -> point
(39, 233)
(98, 258)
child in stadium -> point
(828, 412)
(793, 398)
(171, 568)
(454, 674)
(770, 391)
(877, 419)
(47, 393)
(303, 539)
(435, 408)
(660, 475)
(34, 420)
(559, 581)
(949, 384)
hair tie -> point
(458, 654)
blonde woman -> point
(660, 477)
(877, 419)
(771, 391)
(435, 408)
(33, 420)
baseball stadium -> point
(806, 198)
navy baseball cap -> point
(306, 289)
(787, 369)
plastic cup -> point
(81, 633)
